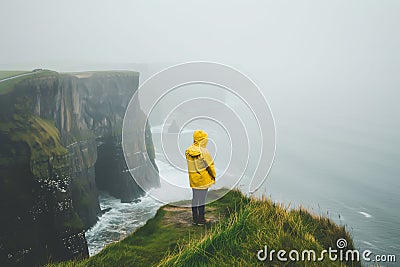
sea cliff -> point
(60, 142)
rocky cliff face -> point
(60, 141)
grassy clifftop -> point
(8, 85)
(4, 74)
(240, 227)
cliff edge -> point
(240, 228)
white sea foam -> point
(366, 215)
(120, 221)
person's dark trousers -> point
(198, 204)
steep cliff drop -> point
(60, 141)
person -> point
(201, 174)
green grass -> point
(9, 85)
(243, 226)
(10, 73)
(41, 136)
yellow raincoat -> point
(200, 164)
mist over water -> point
(342, 170)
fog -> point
(329, 48)
(306, 34)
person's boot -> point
(195, 215)
(201, 220)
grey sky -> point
(246, 32)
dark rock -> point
(105, 210)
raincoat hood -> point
(200, 139)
